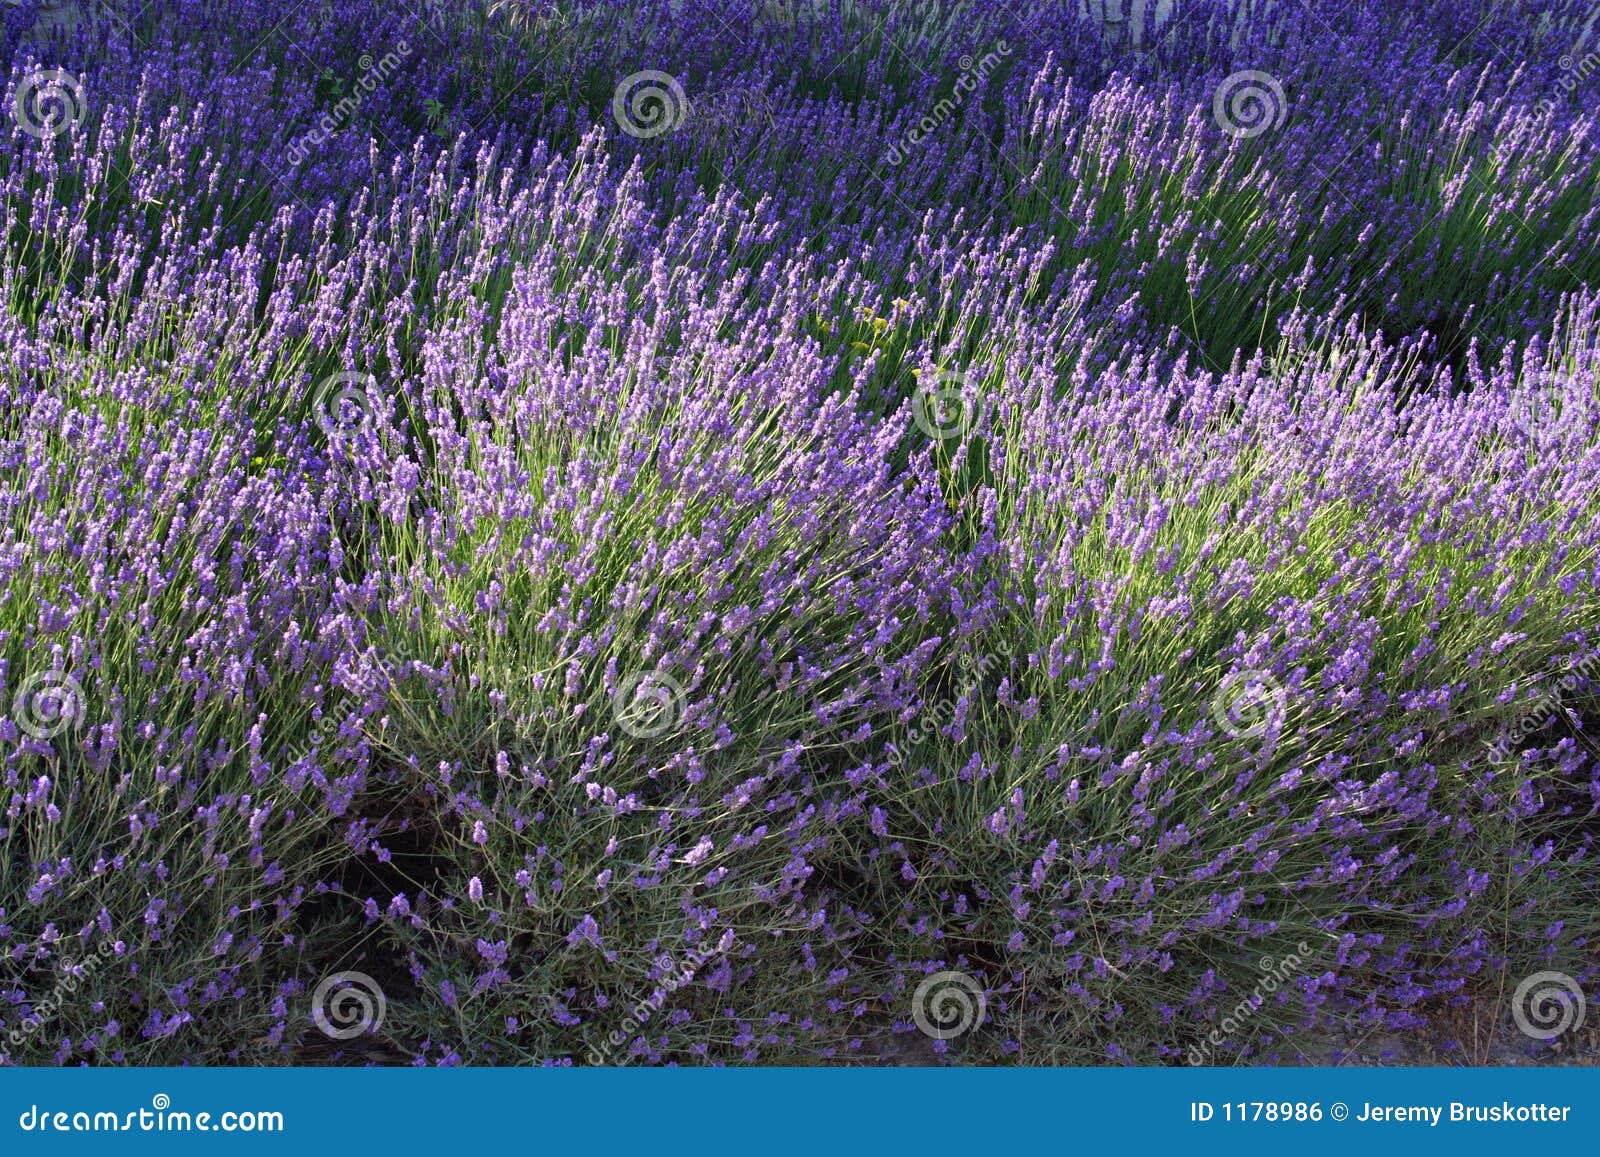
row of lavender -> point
(916, 491)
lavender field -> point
(767, 532)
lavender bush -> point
(649, 531)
